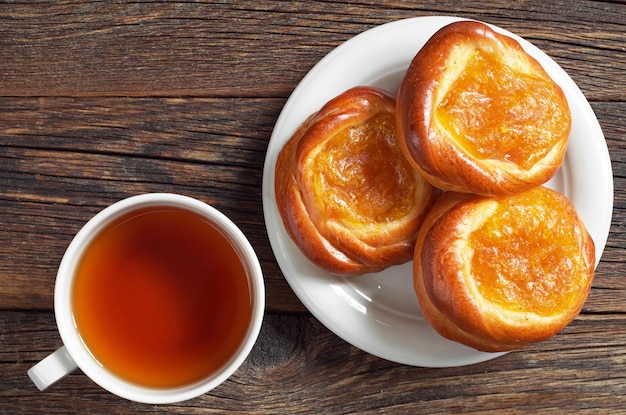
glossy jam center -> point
(527, 256)
(500, 114)
(363, 174)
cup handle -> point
(52, 368)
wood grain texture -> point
(104, 100)
(259, 49)
(299, 367)
(64, 159)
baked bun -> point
(477, 114)
(497, 274)
(345, 192)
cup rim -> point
(67, 326)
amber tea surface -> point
(161, 299)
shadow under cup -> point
(159, 298)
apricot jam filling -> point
(526, 255)
(497, 113)
(363, 175)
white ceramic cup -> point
(74, 353)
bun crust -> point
(347, 196)
(477, 114)
(497, 274)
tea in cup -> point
(159, 298)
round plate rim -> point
(325, 284)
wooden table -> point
(104, 100)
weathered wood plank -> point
(59, 170)
(263, 50)
(298, 366)
(62, 160)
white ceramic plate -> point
(379, 313)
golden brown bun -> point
(499, 273)
(477, 114)
(346, 194)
